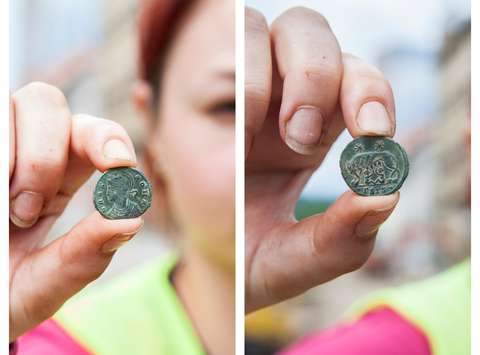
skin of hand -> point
(301, 92)
(190, 147)
(52, 153)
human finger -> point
(258, 74)
(310, 64)
(366, 99)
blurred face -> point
(193, 139)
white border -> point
(475, 178)
(4, 137)
(239, 178)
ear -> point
(142, 98)
(468, 135)
(159, 213)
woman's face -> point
(194, 136)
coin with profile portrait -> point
(373, 166)
(122, 193)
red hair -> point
(156, 23)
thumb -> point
(324, 246)
(48, 277)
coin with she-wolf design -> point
(122, 193)
(373, 166)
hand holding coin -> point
(301, 93)
(52, 153)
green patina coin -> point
(374, 166)
(122, 193)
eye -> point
(223, 108)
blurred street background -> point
(88, 49)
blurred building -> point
(429, 229)
(454, 119)
(451, 143)
(117, 63)
(65, 58)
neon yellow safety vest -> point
(137, 314)
(439, 306)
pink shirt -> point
(380, 332)
(49, 338)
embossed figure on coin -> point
(122, 193)
(374, 166)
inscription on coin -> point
(122, 193)
(374, 166)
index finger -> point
(366, 98)
(96, 143)
(309, 60)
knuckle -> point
(374, 85)
(324, 73)
(256, 92)
(300, 12)
(114, 128)
(376, 72)
(44, 92)
(66, 254)
(371, 72)
(254, 20)
(39, 163)
(358, 66)
(99, 125)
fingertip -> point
(352, 206)
(119, 153)
(383, 202)
(370, 223)
(125, 230)
(367, 100)
(373, 119)
(105, 143)
(125, 225)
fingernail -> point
(25, 208)
(116, 242)
(371, 222)
(117, 149)
(373, 118)
(304, 129)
